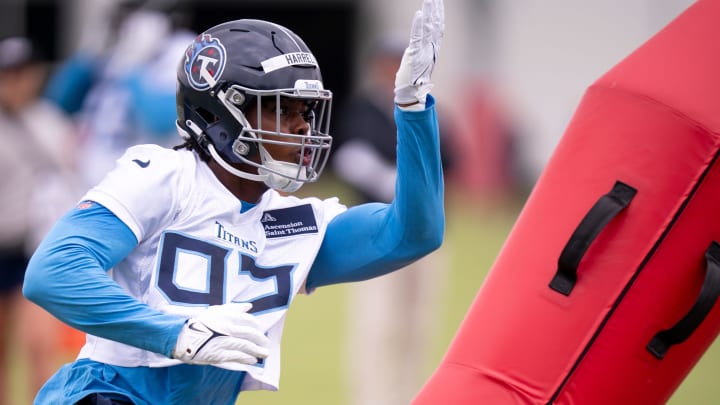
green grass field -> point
(313, 352)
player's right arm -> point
(67, 276)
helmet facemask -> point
(313, 145)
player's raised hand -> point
(222, 333)
(412, 81)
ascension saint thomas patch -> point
(291, 221)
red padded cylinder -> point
(652, 123)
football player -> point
(181, 263)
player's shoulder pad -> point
(325, 209)
(148, 151)
(154, 159)
(148, 166)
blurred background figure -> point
(121, 89)
(36, 162)
(392, 318)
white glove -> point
(222, 333)
(412, 81)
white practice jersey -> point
(196, 248)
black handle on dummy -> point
(604, 210)
(663, 340)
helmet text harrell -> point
(288, 59)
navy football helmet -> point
(235, 64)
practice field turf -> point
(313, 352)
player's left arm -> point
(373, 239)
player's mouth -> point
(304, 157)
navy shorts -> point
(12, 270)
(100, 399)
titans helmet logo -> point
(204, 62)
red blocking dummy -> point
(605, 290)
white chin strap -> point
(284, 181)
(272, 180)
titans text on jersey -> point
(222, 233)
